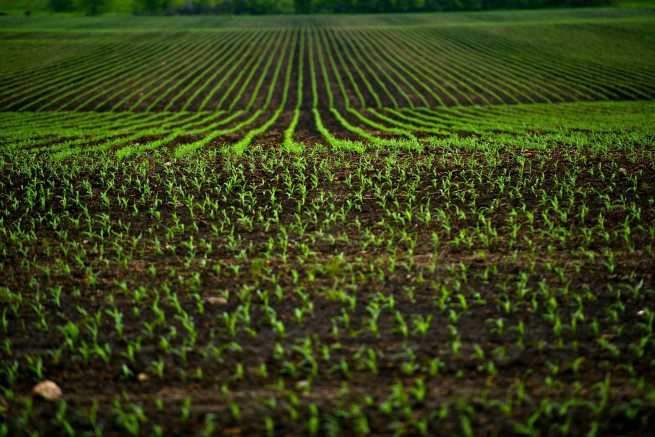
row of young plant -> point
(389, 292)
(176, 73)
(536, 125)
(399, 67)
(588, 81)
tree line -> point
(159, 7)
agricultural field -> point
(418, 224)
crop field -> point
(416, 224)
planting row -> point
(349, 67)
(63, 134)
(496, 290)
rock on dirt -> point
(47, 390)
(216, 300)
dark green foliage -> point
(92, 7)
(61, 5)
(154, 7)
(302, 6)
(381, 6)
(191, 7)
(151, 6)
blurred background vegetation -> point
(161, 7)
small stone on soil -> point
(47, 390)
(216, 300)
